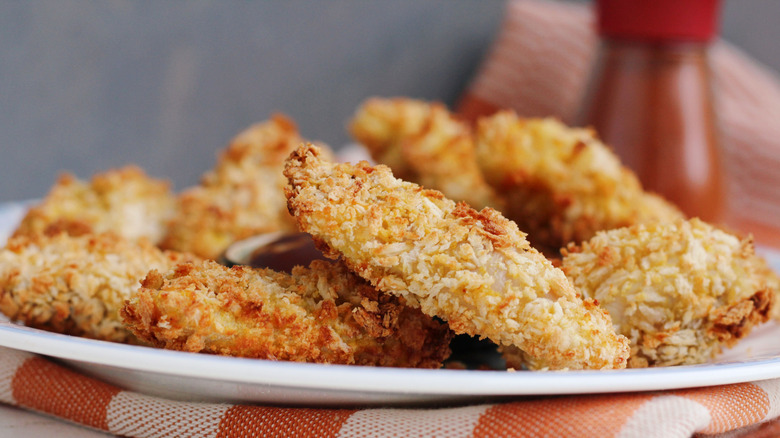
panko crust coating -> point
(125, 201)
(679, 291)
(772, 280)
(473, 269)
(774, 284)
(75, 285)
(423, 143)
(561, 184)
(242, 196)
(322, 313)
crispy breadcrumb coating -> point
(473, 269)
(125, 201)
(322, 313)
(773, 283)
(76, 284)
(679, 291)
(242, 196)
(423, 143)
(561, 184)
(772, 280)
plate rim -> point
(380, 379)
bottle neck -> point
(660, 46)
(652, 56)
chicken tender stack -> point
(124, 201)
(242, 196)
(561, 184)
(473, 269)
(76, 284)
(322, 314)
(424, 144)
(679, 291)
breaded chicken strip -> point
(242, 196)
(561, 184)
(423, 143)
(76, 285)
(321, 314)
(473, 269)
(679, 291)
(125, 201)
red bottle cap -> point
(658, 20)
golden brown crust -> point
(242, 196)
(729, 324)
(561, 184)
(678, 290)
(473, 269)
(322, 313)
(772, 281)
(75, 285)
(423, 143)
(124, 201)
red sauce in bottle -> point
(651, 100)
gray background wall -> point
(87, 85)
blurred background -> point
(85, 85)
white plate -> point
(201, 377)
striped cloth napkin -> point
(747, 409)
(539, 66)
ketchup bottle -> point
(650, 98)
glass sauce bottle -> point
(650, 98)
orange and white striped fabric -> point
(747, 409)
(539, 66)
